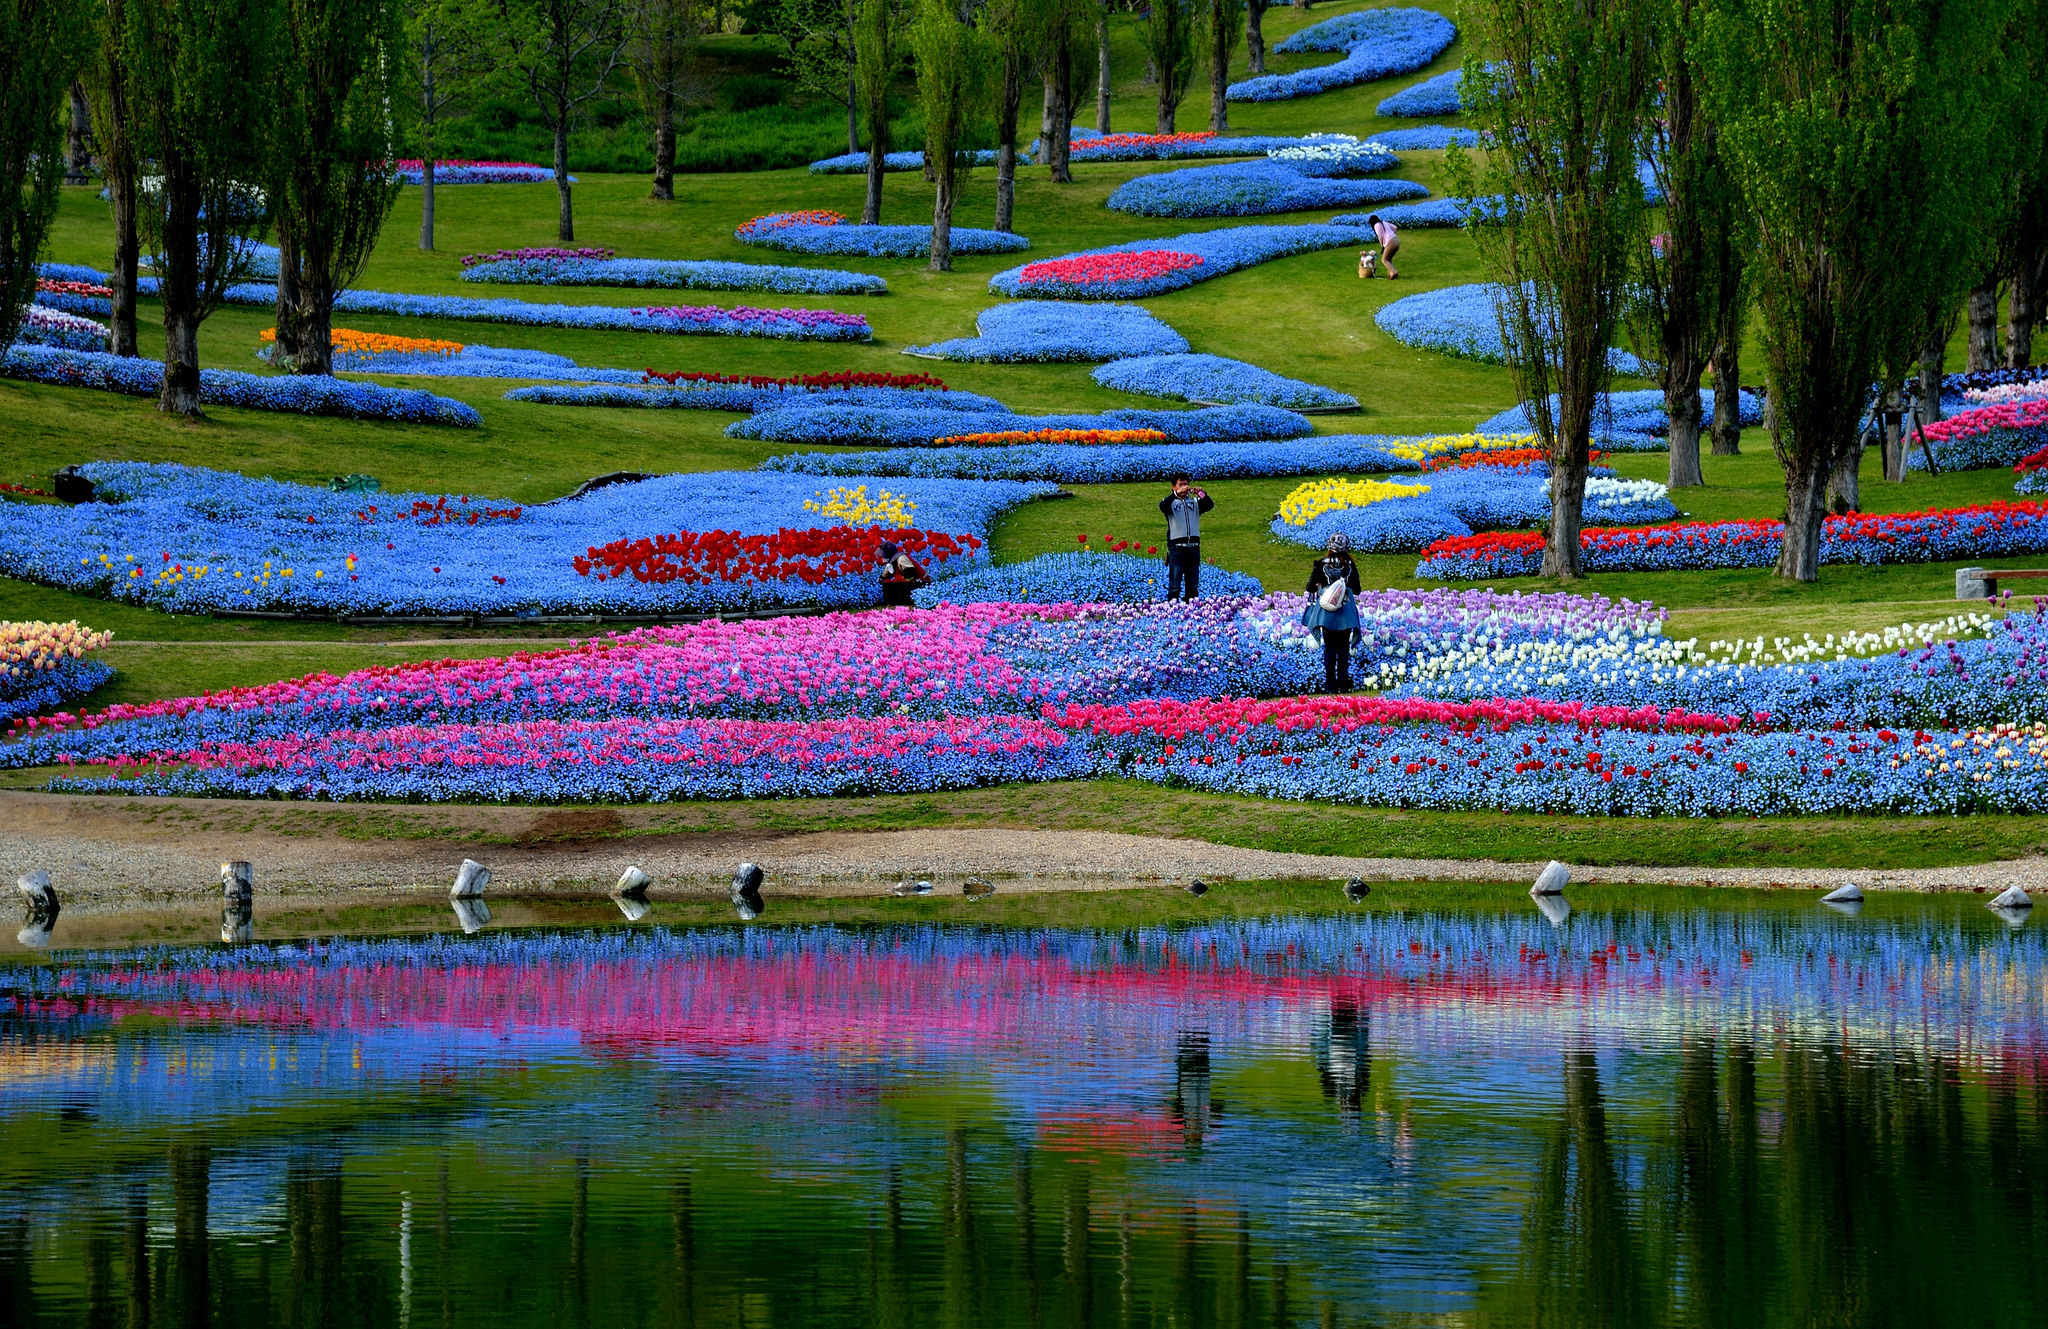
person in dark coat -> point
(1337, 627)
(901, 576)
(1183, 509)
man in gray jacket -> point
(1183, 509)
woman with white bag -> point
(1333, 610)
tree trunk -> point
(1010, 100)
(286, 351)
(665, 147)
(1727, 399)
(181, 361)
(1255, 36)
(1932, 354)
(1567, 510)
(1168, 111)
(78, 160)
(121, 326)
(2020, 311)
(1102, 70)
(1806, 486)
(316, 322)
(427, 202)
(565, 226)
(1682, 403)
(942, 219)
(1220, 39)
(852, 112)
(1060, 82)
(878, 148)
(1983, 313)
(178, 291)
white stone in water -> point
(237, 880)
(747, 877)
(35, 887)
(1555, 908)
(470, 880)
(1552, 880)
(1356, 889)
(471, 912)
(633, 884)
(634, 907)
(1850, 894)
(2012, 897)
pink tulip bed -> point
(1201, 695)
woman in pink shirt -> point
(1390, 242)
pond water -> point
(1677, 1108)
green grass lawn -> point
(1307, 316)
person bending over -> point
(901, 576)
(1333, 610)
(1390, 242)
(1183, 509)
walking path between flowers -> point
(110, 852)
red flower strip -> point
(813, 556)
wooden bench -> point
(1982, 583)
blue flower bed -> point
(70, 302)
(42, 326)
(912, 428)
(1425, 138)
(1458, 502)
(847, 240)
(749, 399)
(71, 272)
(1638, 412)
(1081, 577)
(1222, 252)
(1420, 216)
(1048, 330)
(856, 163)
(1223, 145)
(1121, 463)
(1378, 43)
(676, 274)
(297, 394)
(1249, 189)
(1212, 378)
(1459, 321)
(1434, 96)
(480, 173)
(189, 540)
(779, 324)
(32, 690)
(2033, 482)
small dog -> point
(1366, 260)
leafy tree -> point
(953, 63)
(565, 52)
(1102, 85)
(1170, 42)
(1855, 130)
(2030, 269)
(1255, 32)
(878, 52)
(446, 57)
(203, 93)
(1224, 16)
(1676, 301)
(41, 47)
(335, 145)
(113, 117)
(821, 51)
(1010, 25)
(664, 32)
(1560, 87)
(1731, 316)
(1065, 32)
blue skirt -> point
(1345, 619)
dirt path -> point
(121, 850)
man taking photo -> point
(1183, 509)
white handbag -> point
(1334, 596)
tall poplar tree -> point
(203, 91)
(565, 52)
(663, 34)
(1009, 24)
(878, 53)
(1560, 86)
(953, 65)
(335, 146)
(1170, 42)
(1849, 125)
(1065, 37)
(107, 82)
(446, 56)
(42, 44)
(1224, 17)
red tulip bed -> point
(813, 556)
(1996, 435)
(2033, 473)
(1057, 275)
(1984, 530)
(845, 378)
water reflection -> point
(1690, 1117)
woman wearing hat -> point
(901, 576)
(1333, 610)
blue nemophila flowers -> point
(1081, 577)
(1637, 412)
(1119, 463)
(1212, 378)
(1398, 516)
(749, 397)
(856, 163)
(849, 240)
(1049, 330)
(1222, 251)
(675, 274)
(195, 541)
(1250, 189)
(912, 428)
(1424, 138)
(297, 394)
(1432, 96)
(1460, 321)
(1378, 43)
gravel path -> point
(127, 851)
